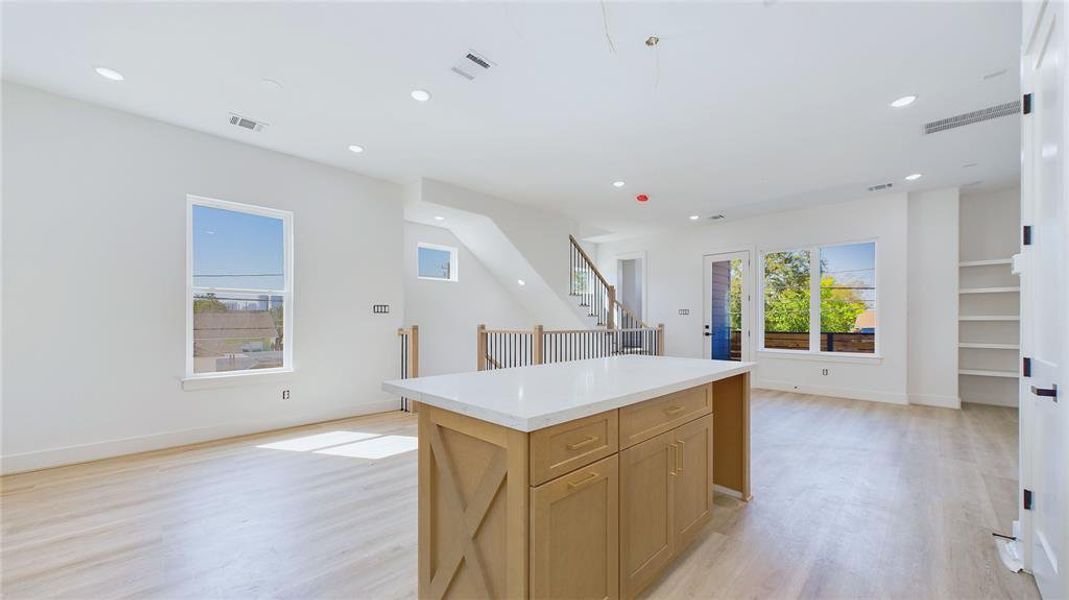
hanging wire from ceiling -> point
(605, 22)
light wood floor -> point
(851, 499)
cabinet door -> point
(693, 493)
(646, 530)
(575, 534)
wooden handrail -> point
(589, 262)
(409, 337)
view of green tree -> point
(787, 296)
(208, 303)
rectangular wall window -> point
(240, 309)
(848, 298)
(786, 306)
(436, 262)
(845, 319)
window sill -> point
(842, 357)
(213, 381)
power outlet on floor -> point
(285, 394)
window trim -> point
(454, 273)
(814, 307)
(287, 289)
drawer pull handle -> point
(682, 454)
(675, 458)
(673, 410)
(577, 445)
(574, 485)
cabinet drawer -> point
(563, 448)
(645, 420)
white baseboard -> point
(69, 455)
(935, 400)
(834, 392)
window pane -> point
(237, 250)
(234, 332)
(848, 298)
(787, 300)
(435, 263)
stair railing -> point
(408, 338)
(595, 293)
(505, 348)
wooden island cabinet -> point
(595, 506)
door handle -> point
(577, 445)
(674, 450)
(1051, 392)
(682, 455)
(574, 485)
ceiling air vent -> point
(976, 116)
(472, 65)
(881, 187)
(246, 123)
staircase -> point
(594, 293)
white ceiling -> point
(741, 108)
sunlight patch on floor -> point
(319, 440)
(380, 447)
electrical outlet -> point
(380, 309)
(684, 312)
(285, 394)
(823, 371)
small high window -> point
(436, 262)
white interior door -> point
(1045, 303)
(726, 306)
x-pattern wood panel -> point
(469, 513)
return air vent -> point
(976, 116)
(472, 65)
(881, 187)
(246, 123)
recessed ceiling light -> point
(903, 101)
(969, 165)
(355, 148)
(421, 95)
(694, 217)
(521, 282)
(617, 184)
(439, 218)
(913, 177)
(107, 73)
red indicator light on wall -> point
(642, 198)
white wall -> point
(674, 280)
(448, 312)
(94, 283)
(514, 242)
(933, 298)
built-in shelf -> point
(988, 346)
(986, 263)
(989, 318)
(987, 373)
(990, 290)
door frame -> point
(639, 255)
(748, 281)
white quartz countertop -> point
(530, 398)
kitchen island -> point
(576, 479)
